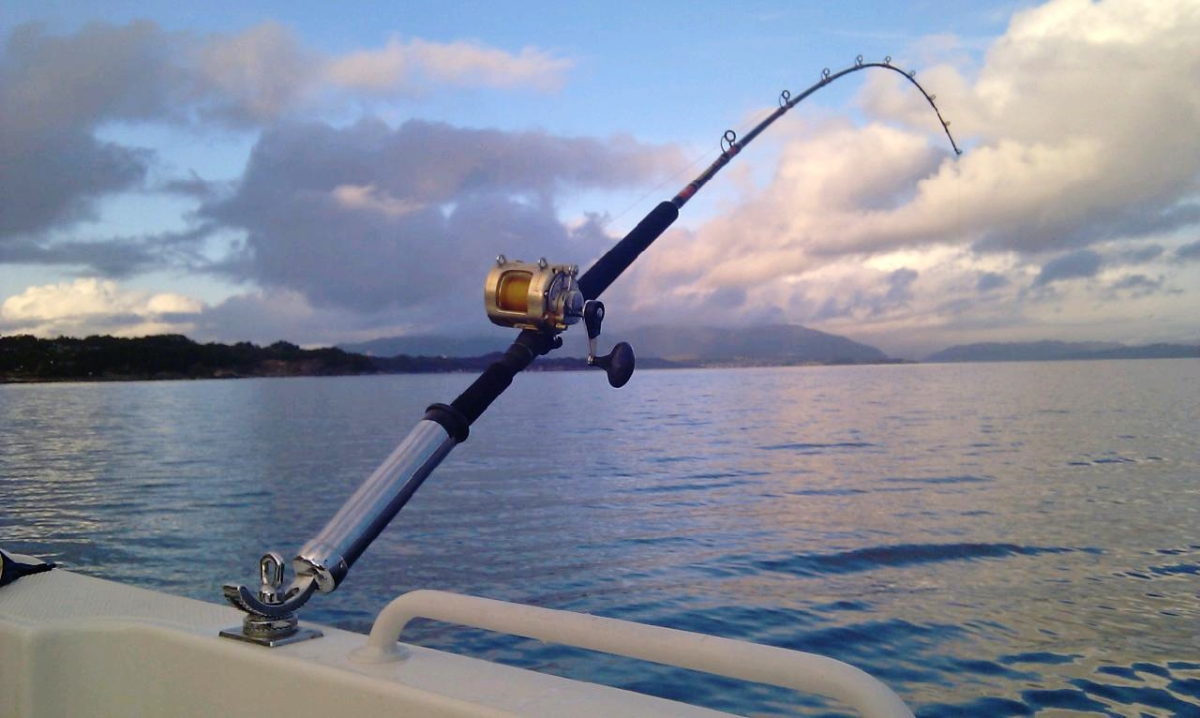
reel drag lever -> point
(617, 364)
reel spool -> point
(528, 295)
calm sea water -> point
(989, 539)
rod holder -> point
(322, 564)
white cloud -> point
(94, 306)
(402, 66)
(1086, 115)
(258, 74)
(371, 198)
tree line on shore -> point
(25, 358)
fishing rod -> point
(540, 299)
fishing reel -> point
(527, 295)
(545, 297)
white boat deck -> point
(71, 645)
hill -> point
(26, 358)
(771, 345)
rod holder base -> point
(270, 632)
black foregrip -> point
(606, 269)
(451, 419)
(496, 378)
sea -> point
(1002, 539)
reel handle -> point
(618, 364)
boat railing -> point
(804, 672)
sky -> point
(326, 174)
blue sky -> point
(262, 171)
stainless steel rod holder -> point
(331, 553)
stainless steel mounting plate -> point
(301, 634)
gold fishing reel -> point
(533, 295)
(546, 297)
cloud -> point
(1063, 158)
(368, 197)
(52, 163)
(57, 90)
(255, 76)
(900, 286)
(1076, 265)
(192, 185)
(1135, 285)
(825, 185)
(990, 281)
(90, 306)
(1137, 255)
(267, 317)
(858, 296)
(1059, 159)
(405, 66)
(1189, 252)
(112, 257)
(372, 218)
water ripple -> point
(966, 479)
(900, 555)
(817, 447)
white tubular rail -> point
(803, 672)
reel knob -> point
(618, 364)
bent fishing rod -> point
(540, 299)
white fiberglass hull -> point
(71, 645)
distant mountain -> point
(772, 345)
(1149, 351)
(1054, 351)
(768, 345)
